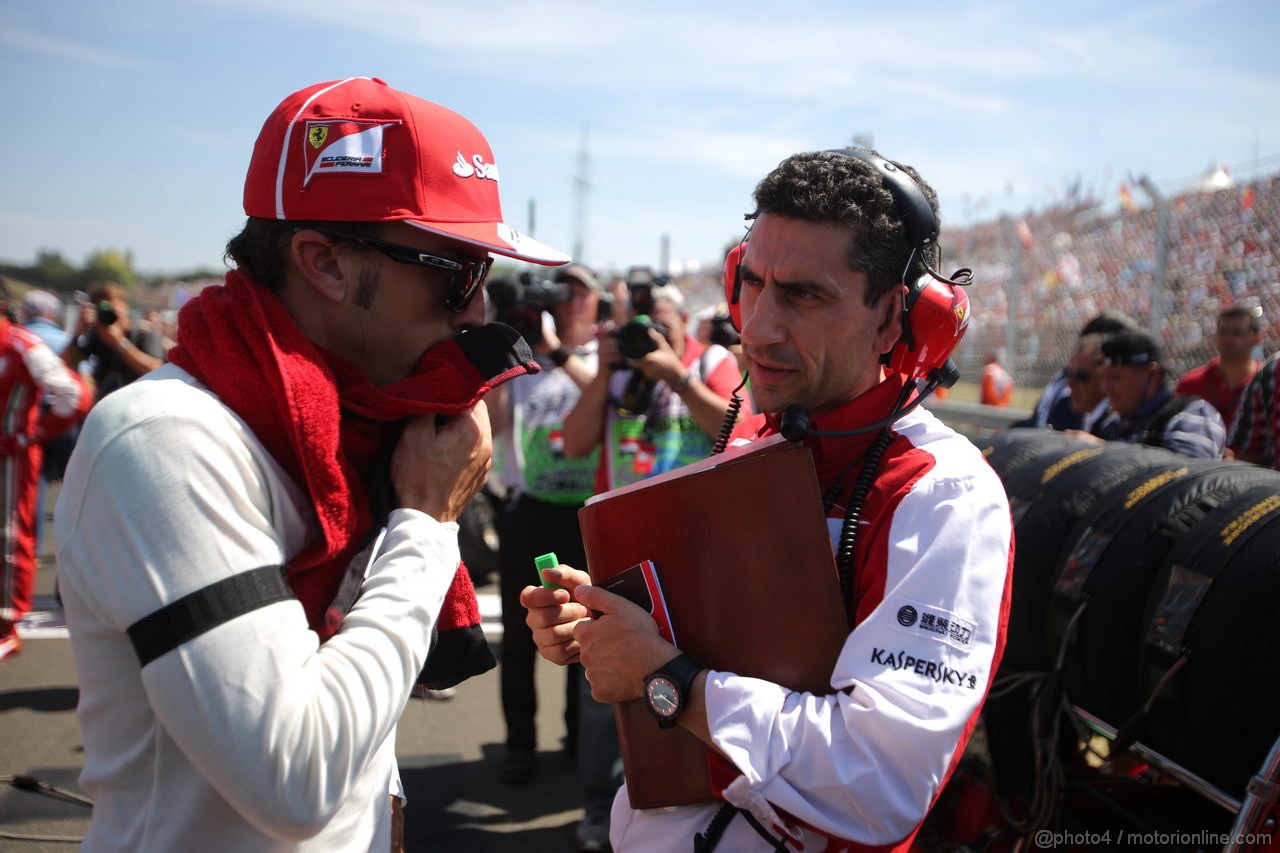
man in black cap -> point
(1143, 408)
(1055, 408)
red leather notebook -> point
(744, 559)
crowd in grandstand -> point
(1075, 261)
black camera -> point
(723, 332)
(520, 301)
(633, 339)
(641, 296)
(640, 284)
(604, 307)
(107, 315)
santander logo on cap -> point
(475, 168)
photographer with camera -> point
(660, 397)
(715, 326)
(572, 302)
(656, 403)
(545, 489)
(105, 332)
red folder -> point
(744, 558)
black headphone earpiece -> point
(917, 213)
(935, 314)
(920, 221)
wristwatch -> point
(666, 692)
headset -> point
(935, 310)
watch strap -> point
(682, 670)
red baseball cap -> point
(356, 150)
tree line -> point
(51, 271)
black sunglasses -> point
(1080, 375)
(465, 278)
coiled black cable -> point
(706, 841)
(730, 420)
(858, 496)
(849, 529)
(779, 844)
(832, 496)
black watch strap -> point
(682, 670)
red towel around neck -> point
(327, 425)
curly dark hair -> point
(827, 186)
(261, 249)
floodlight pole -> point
(1160, 285)
(1013, 289)
(581, 189)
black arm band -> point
(192, 615)
(560, 356)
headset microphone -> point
(794, 425)
(795, 422)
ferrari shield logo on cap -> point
(344, 146)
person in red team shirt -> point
(821, 284)
(1222, 381)
(31, 374)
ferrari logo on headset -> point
(317, 135)
(960, 312)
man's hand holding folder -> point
(565, 621)
(568, 626)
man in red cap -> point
(258, 541)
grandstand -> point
(1072, 261)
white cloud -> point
(33, 42)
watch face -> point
(663, 696)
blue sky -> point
(130, 122)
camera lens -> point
(526, 320)
(107, 315)
(633, 339)
(641, 298)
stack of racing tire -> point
(1147, 586)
